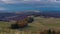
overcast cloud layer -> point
(29, 4)
(24, 1)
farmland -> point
(35, 27)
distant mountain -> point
(9, 16)
(14, 15)
(55, 14)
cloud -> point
(36, 11)
(52, 0)
(11, 1)
(20, 1)
(57, 1)
(32, 0)
(2, 8)
(26, 1)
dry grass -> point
(50, 22)
(31, 29)
(39, 24)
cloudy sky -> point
(17, 5)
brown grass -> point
(39, 26)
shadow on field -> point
(15, 26)
(22, 25)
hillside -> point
(38, 25)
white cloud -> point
(51, 0)
(58, 1)
(36, 11)
(2, 8)
(26, 1)
(32, 0)
(54, 1)
(11, 1)
(19, 1)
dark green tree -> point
(53, 32)
(49, 31)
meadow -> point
(38, 25)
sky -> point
(18, 5)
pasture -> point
(35, 27)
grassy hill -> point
(35, 27)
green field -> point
(38, 25)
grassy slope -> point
(38, 25)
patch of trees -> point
(22, 23)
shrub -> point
(46, 32)
(53, 32)
(14, 26)
(30, 20)
(49, 31)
